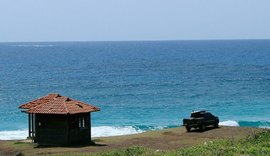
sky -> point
(121, 20)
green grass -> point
(256, 144)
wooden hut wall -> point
(80, 128)
(51, 129)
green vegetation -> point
(256, 144)
(239, 141)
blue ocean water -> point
(140, 85)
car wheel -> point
(188, 128)
(202, 128)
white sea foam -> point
(13, 135)
(101, 131)
(104, 131)
(229, 123)
(266, 127)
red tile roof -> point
(57, 104)
(39, 101)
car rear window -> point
(196, 115)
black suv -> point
(200, 119)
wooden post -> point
(29, 125)
(32, 125)
(36, 128)
(90, 125)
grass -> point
(170, 142)
(256, 144)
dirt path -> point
(160, 140)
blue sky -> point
(99, 20)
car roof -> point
(201, 111)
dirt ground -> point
(167, 139)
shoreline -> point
(166, 139)
(111, 131)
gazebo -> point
(58, 120)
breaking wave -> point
(13, 135)
(105, 131)
(259, 124)
(228, 123)
(100, 131)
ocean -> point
(139, 85)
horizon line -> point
(62, 41)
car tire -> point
(202, 128)
(188, 128)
